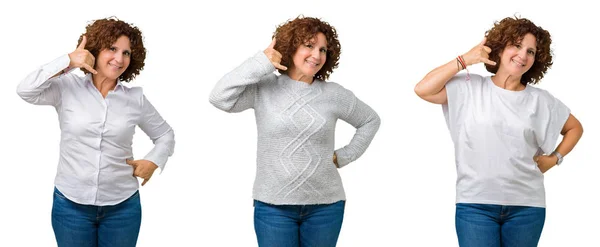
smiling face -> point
(309, 59)
(517, 58)
(113, 61)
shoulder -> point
(461, 82)
(541, 94)
(269, 78)
(135, 94)
(133, 91)
(337, 89)
(464, 78)
(72, 80)
(267, 81)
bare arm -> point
(432, 87)
(572, 132)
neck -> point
(508, 82)
(103, 83)
(297, 76)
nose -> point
(316, 53)
(119, 57)
(523, 53)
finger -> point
(279, 66)
(487, 49)
(130, 162)
(89, 68)
(145, 181)
(487, 61)
(272, 43)
(483, 41)
(82, 44)
(536, 158)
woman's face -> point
(516, 59)
(113, 61)
(309, 58)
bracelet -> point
(461, 60)
(459, 65)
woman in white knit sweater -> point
(299, 197)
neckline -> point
(298, 84)
(506, 91)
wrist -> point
(461, 61)
(558, 157)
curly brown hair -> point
(294, 33)
(103, 33)
(511, 31)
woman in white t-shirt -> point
(504, 132)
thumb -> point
(82, 44)
(145, 181)
(131, 163)
(272, 45)
(483, 41)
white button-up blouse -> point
(97, 133)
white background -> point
(400, 192)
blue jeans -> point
(298, 225)
(498, 226)
(96, 226)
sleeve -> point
(38, 88)
(237, 90)
(553, 116)
(457, 92)
(159, 131)
(366, 121)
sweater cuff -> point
(342, 158)
(265, 65)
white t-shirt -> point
(496, 133)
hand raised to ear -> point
(82, 58)
(479, 54)
(274, 56)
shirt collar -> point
(88, 79)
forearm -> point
(570, 139)
(163, 149)
(235, 91)
(37, 87)
(435, 80)
(367, 122)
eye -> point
(112, 48)
(309, 45)
(127, 53)
(518, 46)
(531, 52)
(323, 50)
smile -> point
(312, 63)
(518, 63)
(118, 67)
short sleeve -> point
(457, 93)
(552, 116)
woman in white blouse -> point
(96, 200)
(504, 132)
